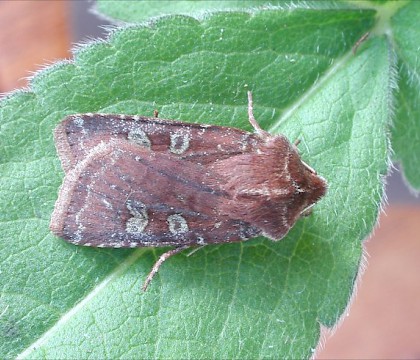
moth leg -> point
(159, 262)
(307, 211)
(193, 251)
(252, 120)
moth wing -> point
(78, 134)
(124, 195)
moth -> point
(133, 181)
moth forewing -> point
(122, 195)
(133, 181)
(78, 134)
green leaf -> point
(406, 130)
(257, 299)
(131, 11)
(137, 11)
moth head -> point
(294, 187)
(309, 186)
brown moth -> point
(133, 181)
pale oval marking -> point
(139, 137)
(78, 121)
(177, 224)
(140, 219)
(179, 143)
(136, 225)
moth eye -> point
(177, 224)
(139, 137)
(179, 143)
(140, 219)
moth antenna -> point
(358, 42)
(252, 120)
(310, 168)
(159, 262)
